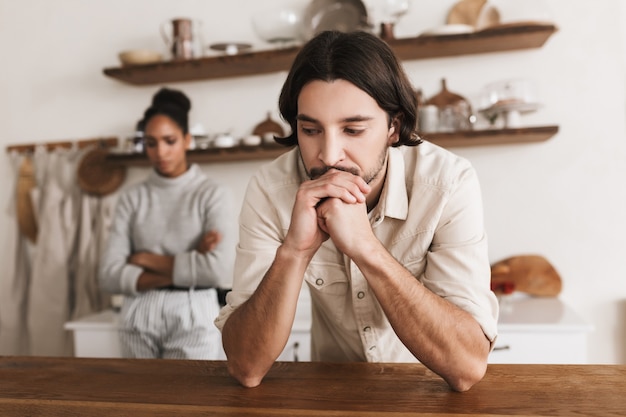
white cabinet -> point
(539, 330)
(531, 330)
(298, 347)
(95, 336)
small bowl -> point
(279, 26)
(251, 140)
(139, 57)
(224, 140)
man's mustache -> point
(318, 172)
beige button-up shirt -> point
(429, 217)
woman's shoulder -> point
(206, 185)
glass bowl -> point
(278, 25)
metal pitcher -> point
(181, 41)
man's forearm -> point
(442, 336)
(256, 333)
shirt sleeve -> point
(261, 232)
(116, 275)
(458, 267)
(213, 268)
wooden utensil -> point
(455, 111)
(268, 127)
(26, 218)
(445, 97)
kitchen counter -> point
(531, 330)
(157, 387)
(540, 330)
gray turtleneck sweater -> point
(169, 216)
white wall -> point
(564, 198)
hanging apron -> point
(14, 284)
(95, 219)
(49, 295)
(96, 215)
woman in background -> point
(171, 245)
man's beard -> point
(368, 177)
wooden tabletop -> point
(31, 386)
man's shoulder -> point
(428, 153)
(283, 171)
(431, 163)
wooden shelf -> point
(506, 37)
(236, 153)
(492, 136)
(448, 140)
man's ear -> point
(394, 131)
(188, 140)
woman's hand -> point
(209, 241)
(159, 264)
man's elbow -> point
(469, 376)
(246, 376)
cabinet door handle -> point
(505, 347)
(296, 345)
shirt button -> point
(360, 295)
(367, 328)
(319, 281)
(377, 218)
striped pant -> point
(170, 324)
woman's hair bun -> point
(171, 103)
(167, 96)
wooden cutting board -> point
(476, 13)
(445, 97)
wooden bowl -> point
(139, 57)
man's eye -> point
(170, 141)
(354, 132)
(309, 130)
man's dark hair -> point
(362, 59)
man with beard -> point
(385, 229)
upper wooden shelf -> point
(448, 140)
(492, 136)
(506, 37)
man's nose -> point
(331, 151)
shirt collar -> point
(394, 201)
(301, 168)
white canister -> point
(428, 118)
